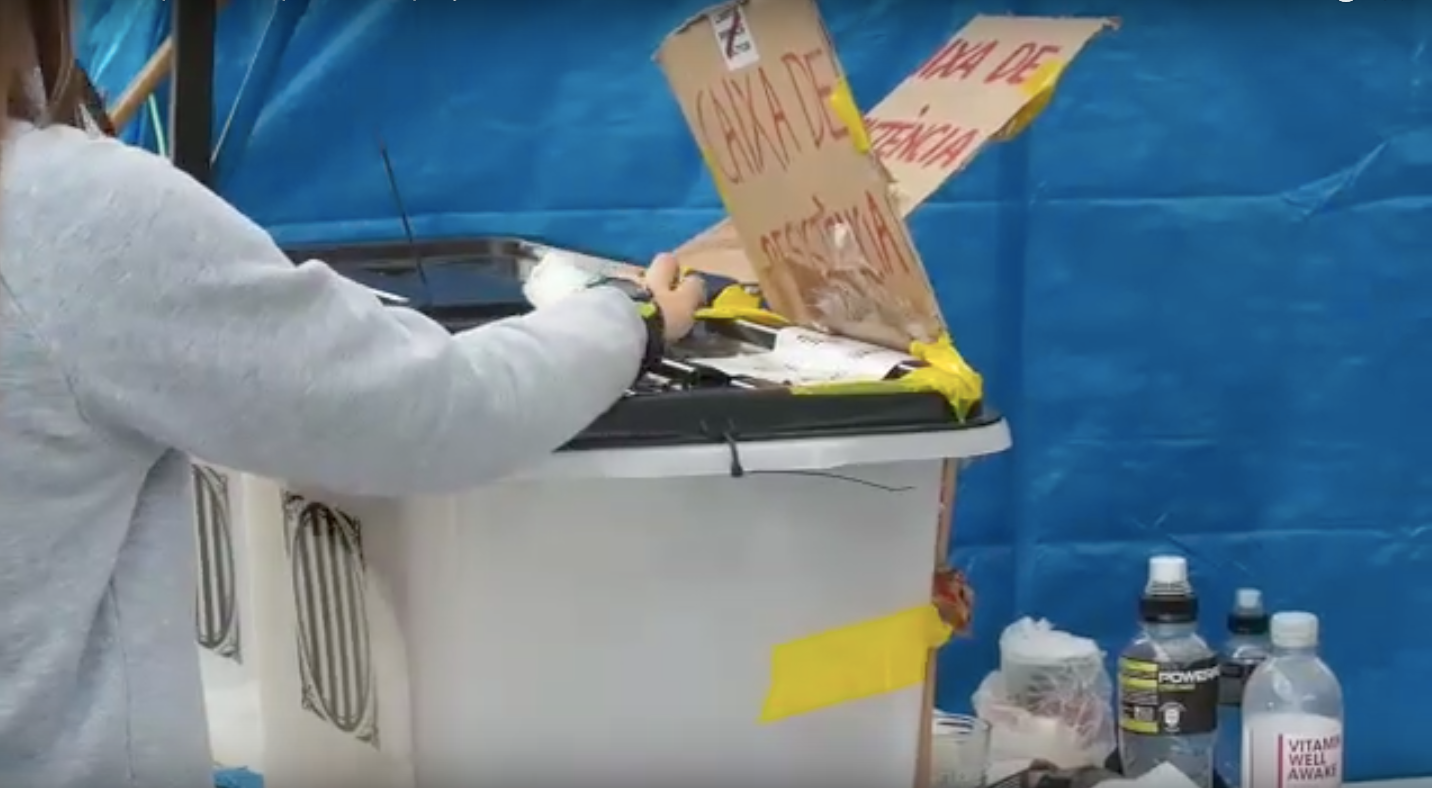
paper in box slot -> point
(800, 356)
(810, 220)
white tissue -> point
(556, 276)
(1036, 641)
(1050, 699)
(386, 297)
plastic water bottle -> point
(1244, 650)
(1168, 682)
(1293, 713)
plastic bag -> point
(1050, 700)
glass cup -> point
(959, 752)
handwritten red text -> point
(812, 242)
(964, 60)
(926, 144)
(744, 123)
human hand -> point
(677, 296)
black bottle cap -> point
(1248, 623)
(1168, 609)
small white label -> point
(733, 37)
(1292, 751)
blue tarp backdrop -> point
(1200, 286)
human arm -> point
(186, 325)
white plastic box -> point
(607, 619)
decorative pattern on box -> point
(330, 586)
(216, 609)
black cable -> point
(407, 223)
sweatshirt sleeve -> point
(188, 325)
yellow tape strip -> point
(717, 179)
(947, 372)
(1043, 78)
(1039, 90)
(842, 102)
(737, 303)
(852, 662)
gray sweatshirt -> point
(143, 321)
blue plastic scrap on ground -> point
(237, 778)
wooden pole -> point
(143, 85)
(156, 69)
(943, 535)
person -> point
(144, 321)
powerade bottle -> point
(1244, 650)
(1168, 682)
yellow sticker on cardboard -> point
(852, 662)
(1038, 90)
(1043, 78)
(842, 103)
(717, 180)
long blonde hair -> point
(36, 36)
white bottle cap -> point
(1248, 599)
(1294, 630)
(1168, 570)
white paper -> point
(801, 356)
(761, 366)
(838, 357)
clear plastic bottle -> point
(1244, 650)
(1168, 682)
(1293, 713)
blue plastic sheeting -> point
(237, 778)
(1199, 287)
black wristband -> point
(655, 337)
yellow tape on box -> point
(945, 372)
(852, 662)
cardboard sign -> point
(986, 82)
(767, 101)
(972, 89)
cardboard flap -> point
(987, 81)
(764, 95)
(941, 116)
